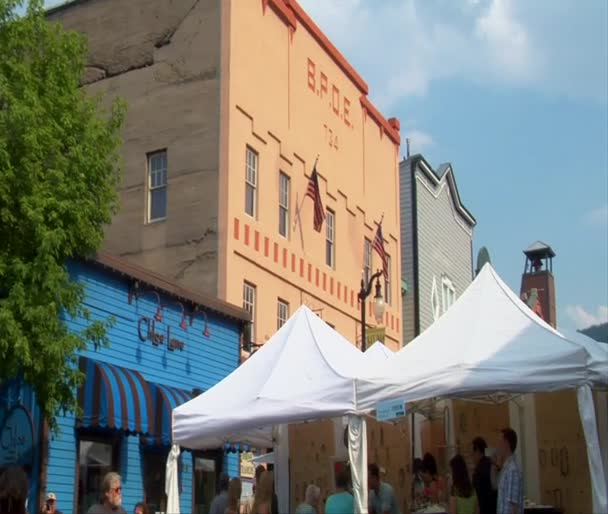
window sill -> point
(155, 221)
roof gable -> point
(444, 173)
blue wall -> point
(13, 393)
(203, 362)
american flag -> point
(313, 192)
(378, 245)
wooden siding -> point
(203, 363)
(444, 245)
(14, 393)
(407, 251)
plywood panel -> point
(389, 447)
(473, 419)
(311, 448)
(564, 473)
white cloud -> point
(583, 319)
(598, 217)
(419, 140)
(401, 47)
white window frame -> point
(284, 201)
(252, 160)
(157, 181)
(282, 312)
(249, 304)
(367, 259)
(388, 289)
(330, 238)
(435, 302)
(448, 293)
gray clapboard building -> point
(436, 242)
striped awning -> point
(114, 397)
(166, 398)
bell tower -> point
(537, 282)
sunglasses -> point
(116, 489)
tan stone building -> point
(230, 102)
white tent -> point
(377, 353)
(489, 341)
(305, 371)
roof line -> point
(167, 286)
(449, 177)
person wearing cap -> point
(220, 502)
(50, 506)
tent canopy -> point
(378, 353)
(305, 371)
(488, 341)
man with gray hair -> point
(311, 501)
(110, 501)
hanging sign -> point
(374, 334)
(390, 409)
(17, 438)
(146, 329)
(247, 466)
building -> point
(436, 242)
(554, 452)
(437, 266)
(230, 104)
(167, 344)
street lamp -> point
(378, 306)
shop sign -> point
(146, 329)
(17, 438)
(247, 466)
(390, 409)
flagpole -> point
(299, 208)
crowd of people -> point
(494, 487)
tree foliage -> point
(59, 154)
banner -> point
(374, 334)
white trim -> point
(448, 177)
(468, 230)
(435, 300)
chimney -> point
(537, 282)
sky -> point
(514, 93)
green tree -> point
(59, 154)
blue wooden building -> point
(167, 344)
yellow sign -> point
(374, 334)
(247, 466)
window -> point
(207, 466)
(330, 247)
(251, 182)
(155, 464)
(157, 186)
(367, 260)
(282, 313)
(387, 281)
(96, 457)
(249, 293)
(284, 190)
(448, 293)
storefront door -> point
(207, 467)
